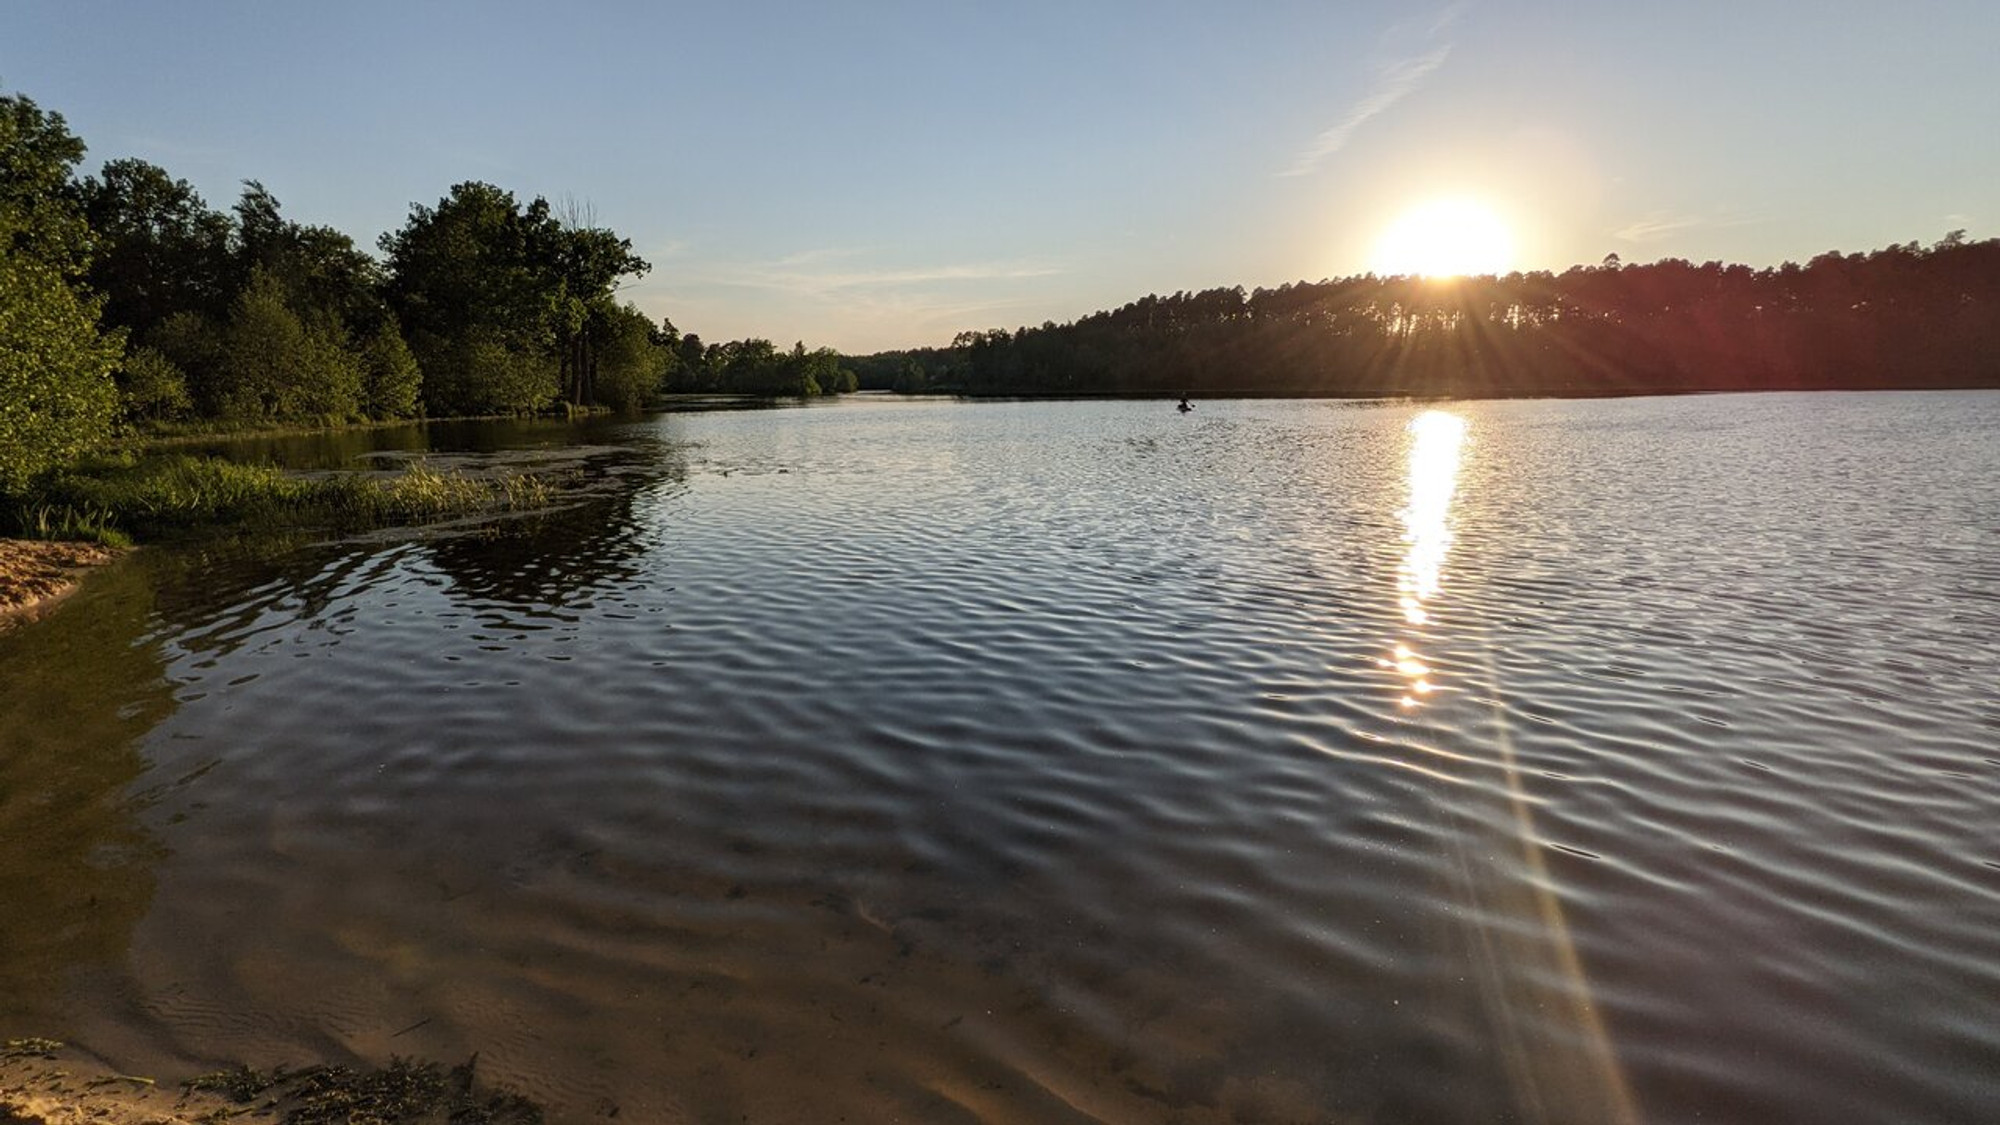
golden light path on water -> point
(1437, 439)
(1518, 934)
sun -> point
(1445, 238)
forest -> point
(1906, 316)
(128, 304)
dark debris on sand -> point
(403, 1093)
(45, 1082)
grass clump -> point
(156, 493)
(67, 524)
(109, 499)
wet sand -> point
(43, 1082)
(51, 1084)
(34, 575)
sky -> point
(874, 174)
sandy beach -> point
(44, 1082)
(35, 574)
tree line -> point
(1904, 316)
(125, 299)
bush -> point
(57, 398)
(390, 377)
(152, 387)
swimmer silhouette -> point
(1185, 405)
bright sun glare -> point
(1445, 238)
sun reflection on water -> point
(1436, 440)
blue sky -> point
(876, 174)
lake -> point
(922, 760)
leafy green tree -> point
(391, 379)
(691, 371)
(276, 366)
(151, 387)
(750, 367)
(159, 249)
(475, 305)
(194, 343)
(480, 272)
(822, 367)
(325, 278)
(38, 190)
(57, 398)
(586, 263)
(482, 370)
(264, 347)
(631, 364)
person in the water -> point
(1185, 405)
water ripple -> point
(1042, 762)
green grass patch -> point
(109, 499)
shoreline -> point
(37, 574)
(45, 1082)
(215, 430)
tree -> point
(194, 344)
(473, 304)
(587, 262)
(276, 366)
(691, 371)
(483, 371)
(631, 364)
(57, 398)
(324, 277)
(819, 372)
(391, 379)
(151, 387)
(159, 250)
(537, 287)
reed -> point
(113, 498)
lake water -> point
(1605, 761)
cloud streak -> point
(1396, 82)
(1660, 224)
(784, 276)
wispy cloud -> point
(1443, 21)
(1394, 81)
(813, 257)
(786, 275)
(1661, 224)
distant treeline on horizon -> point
(1905, 316)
